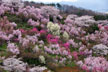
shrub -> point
(100, 17)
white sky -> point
(50, 1)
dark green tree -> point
(59, 5)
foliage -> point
(100, 17)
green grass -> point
(2, 70)
(33, 61)
(72, 64)
(20, 22)
(3, 47)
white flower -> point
(100, 49)
(13, 48)
(36, 48)
(49, 10)
(65, 35)
(42, 59)
(11, 64)
(80, 63)
(38, 69)
(53, 28)
(92, 63)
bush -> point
(100, 17)
(92, 29)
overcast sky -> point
(50, 1)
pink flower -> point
(92, 37)
(49, 36)
(42, 25)
(54, 41)
(66, 45)
(81, 53)
(13, 48)
(22, 30)
(72, 42)
(106, 27)
(42, 32)
(84, 67)
(34, 30)
(99, 26)
(16, 39)
(75, 54)
(44, 20)
(60, 16)
(96, 69)
(51, 39)
(33, 23)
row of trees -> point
(66, 9)
(101, 17)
